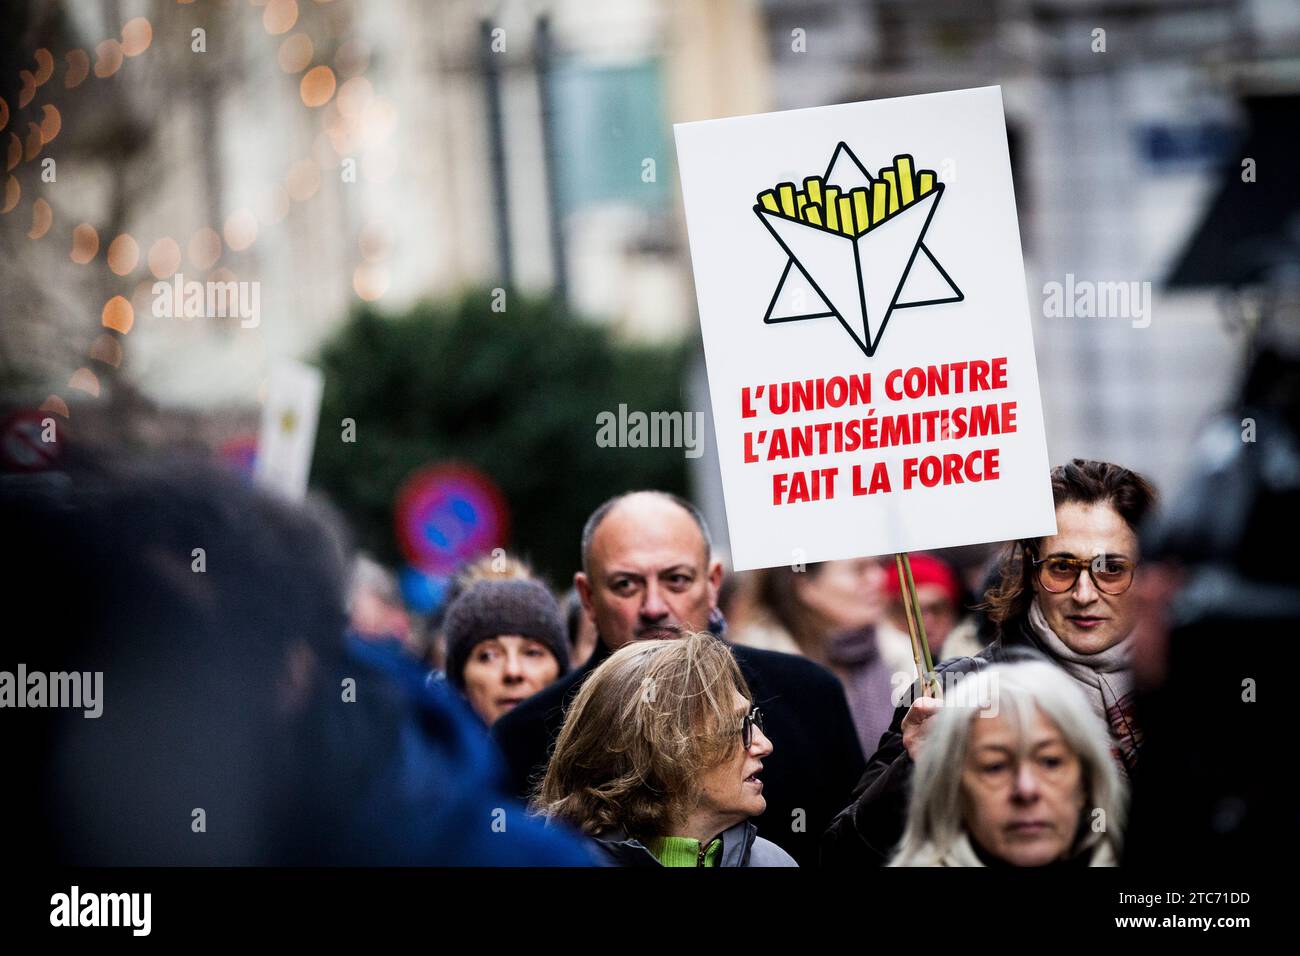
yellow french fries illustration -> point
(892, 190)
(786, 192)
(891, 176)
(857, 238)
(832, 205)
(879, 200)
(813, 186)
(903, 170)
(861, 211)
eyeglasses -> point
(752, 719)
(1110, 575)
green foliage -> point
(513, 393)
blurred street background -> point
(467, 216)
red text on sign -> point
(799, 486)
(951, 469)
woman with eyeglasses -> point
(1067, 598)
(660, 759)
(1070, 597)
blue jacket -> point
(439, 797)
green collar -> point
(684, 851)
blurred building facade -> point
(515, 144)
(529, 144)
(1118, 139)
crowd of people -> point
(649, 577)
(283, 695)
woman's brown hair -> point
(778, 594)
(1083, 482)
(645, 726)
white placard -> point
(866, 328)
(288, 431)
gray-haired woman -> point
(1017, 771)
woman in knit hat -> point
(505, 641)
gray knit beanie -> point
(490, 608)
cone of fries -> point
(855, 243)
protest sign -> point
(866, 328)
(287, 436)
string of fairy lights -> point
(352, 115)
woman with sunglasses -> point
(1068, 598)
(660, 759)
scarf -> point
(1107, 679)
(964, 852)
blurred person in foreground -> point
(1220, 609)
(660, 759)
(235, 728)
(505, 642)
(1067, 597)
(649, 573)
(1016, 772)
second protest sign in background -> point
(866, 328)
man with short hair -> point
(648, 572)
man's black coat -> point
(807, 779)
